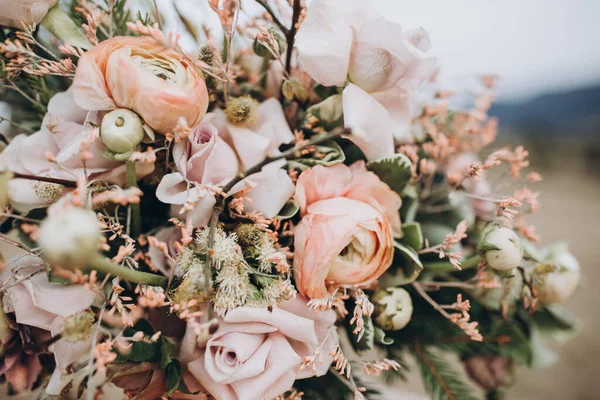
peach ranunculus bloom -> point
(346, 236)
(256, 353)
(12, 12)
(348, 40)
(139, 74)
(39, 303)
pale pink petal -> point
(89, 86)
(324, 43)
(371, 124)
(173, 189)
(273, 125)
(319, 183)
(251, 147)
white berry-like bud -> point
(121, 130)
(70, 237)
(501, 248)
(557, 286)
(393, 308)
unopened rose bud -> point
(121, 130)
(558, 285)
(70, 237)
(393, 308)
(490, 373)
(501, 248)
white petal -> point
(372, 127)
(324, 42)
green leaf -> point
(168, 351)
(173, 372)
(410, 204)
(441, 380)
(395, 171)
(289, 209)
(555, 322)
(141, 351)
(405, 269)
(329, 112)
(412, 235)
(62, 26)
(331, 154)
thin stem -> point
(274, 16)
(63, 182)
(105, 265)
(291, 35)
(15, 124)
(136, 218)
(445, 266)
(91, 388)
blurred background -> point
(547, 57)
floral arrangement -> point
(282, 208)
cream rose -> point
(256, 353)
(139, 74)
(347, 231)
(12, 12)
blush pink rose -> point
(256, 353)
(206, 158)
(141, 75)
(39, 303)
(12, 12)
(346, 236)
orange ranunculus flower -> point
(346, 236)
(139, 74)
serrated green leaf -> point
(441, 380)
(395, 171)
(412, 235)
(405, 269)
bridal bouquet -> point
(284, 206)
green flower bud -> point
(70, 237)
(122, 130)
(501, 248)
(557, 285)
(393, 308)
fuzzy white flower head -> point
(501, 248)
(558, 285)
(70, 237)
(121, 130)
(393, 308)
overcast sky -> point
(535, 46)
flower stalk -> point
(136, 219)
(105, 265)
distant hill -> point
(573, 113)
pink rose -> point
(205, 157)
(346, 236)
(12, 12)
(141, 75)
(38, 303)
(256, 353)
(63, 130)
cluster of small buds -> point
(463, 320)
(363, 308)
(375, 368)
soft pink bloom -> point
(12, 12)
(256, 352)
(137, 73)
(168, 235)
(63, 130)
(215, 152)
(347, 231)
(348, 40)
(37, 302)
